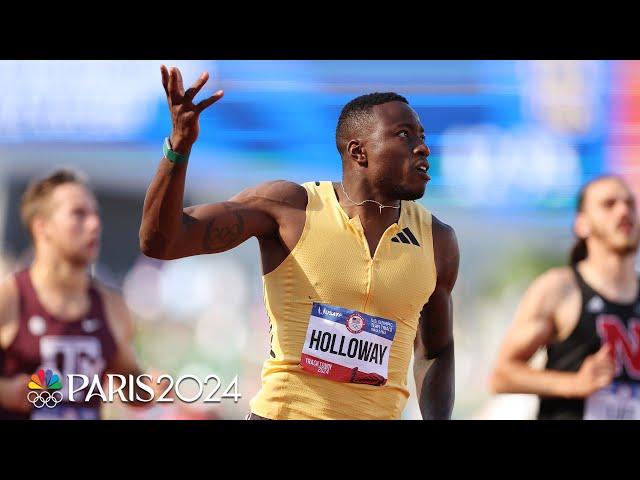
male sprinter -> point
(354, 272)
(53, 315)
(586, 314)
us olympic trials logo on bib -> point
(355, 323)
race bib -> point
(618, 401)
(347, 345)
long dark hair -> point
(579, 251)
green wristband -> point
(173, 157)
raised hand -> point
(184, 112)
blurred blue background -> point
(511, 143)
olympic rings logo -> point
(41, 399)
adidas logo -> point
(405, 237)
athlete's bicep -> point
(219, 227)
(533, 326)
(255, 212)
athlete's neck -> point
(59, 276)
(353, 191)
(610, 271)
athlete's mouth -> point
(626, 226)
(423, 171)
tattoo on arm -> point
(221, 237)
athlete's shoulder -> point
(281, 188)
(556, 277)
(443, 229)
(444, 236)
(553, 285)
(276, 191)
(446, 251)
(110, 295)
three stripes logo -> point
(405, 237)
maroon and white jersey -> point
(83, 346)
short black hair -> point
(354, 113)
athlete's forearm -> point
(435, 382)
(519, 377)
(162, 214)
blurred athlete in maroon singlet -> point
(53, 315)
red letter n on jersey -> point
(625, 344)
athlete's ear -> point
(356, 152)
(40, 227)
(581, 226)
(37, 226)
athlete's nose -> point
(422, 149)
(624, 211)
(95, 224)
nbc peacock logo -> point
(44, 389)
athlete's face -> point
(609, 216)
(72, 227)
(396, 152)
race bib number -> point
(347, 345)
(618, 401)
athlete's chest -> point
(41, 338)
(619, 327)
(398, 276)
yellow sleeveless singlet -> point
(343, 323)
